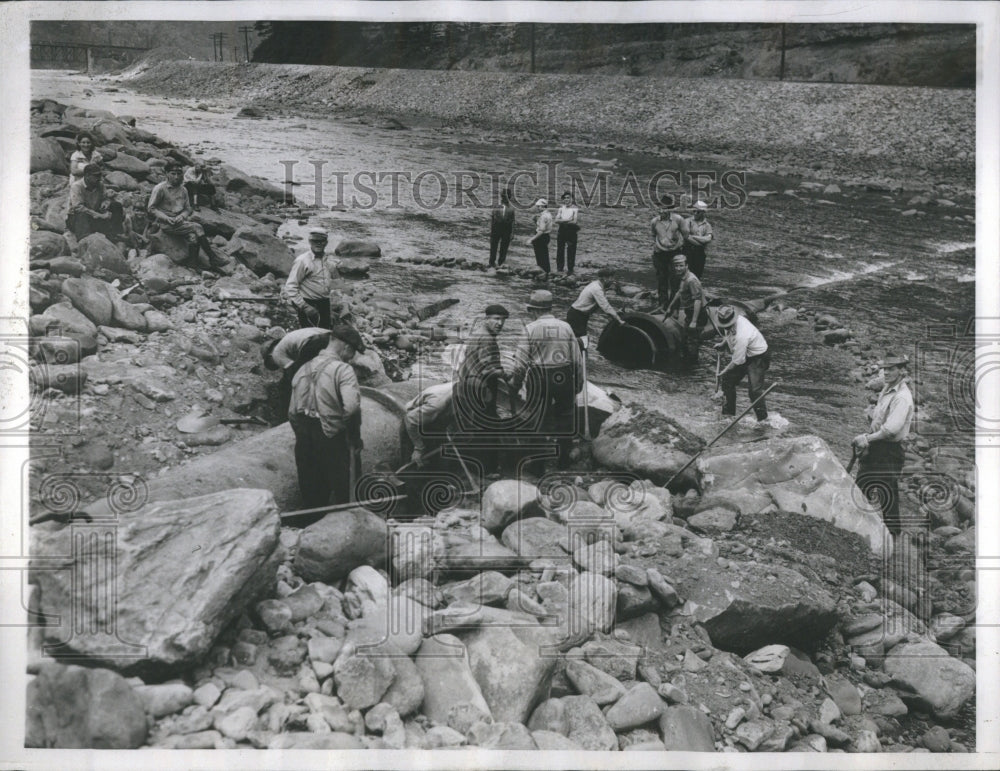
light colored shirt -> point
(893, 413)
(83, 198)
(308, 279)
(699, 232)
(428, 413)
(669, 232)
(78, 160)
(593, 297)
(543, 221)
(191, 174)
(327, 388)
(548, 342)
(689, 292)
(747, 341)
(567, 214)
(169, 200)
(288, 348)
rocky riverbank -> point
(589, 609)
(881, 136)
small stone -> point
(632, 575)
(275, 615)
(846, 696)
(936, 739)
(245, 680)
(829, 711)
(243, 654)
(692, 663)
(751, 734)
(640, 705)
(237, 724)
(324, 649)
(735, 717)
(867, 741)
(672, 693)
(206, 694)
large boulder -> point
(69, 321)
(352, 248)
(223, 223)
(260, 251)
(45, 243)
(175, 247)
(71, 707)
(125, 314)
(90, 296)
(97, 252)
(687, 729)
(235, 181)
(130, 165)
(158, 274)
(507, 500)
(926, 675)
(338, 543)
(47, 155)
(121, 180)
(536, 537)
(443, 664)
(512, 664)
(799, 474)
(646, 442)
(754, 605)
(109, 130)
(178, 572)
(56, 212)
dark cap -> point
(172, 165)
(349, 335)
(605, 272)
(667, 201)
(497, 310)
(92, 168)
(265, 350)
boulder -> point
(260, 251)
(338, 543)
(67, 266)
(56, 212)
(353, 268)
(71, 323)
(362, 679)
(90, 296)
(535, 537)
(121, 180)
(501, 736)
(593, 682)
(486, 588)
(109, 130)
(353, 248)
(550, 740)
(164, 698)
(157, 321)
(71, 707)
(645, 442)
(158, 274)
(755, 605)
(97, 252)
(686, 729)
(443, 664)
(587, 725)
(68, 378)
(511, 665)
(507, 500)
(799, 474)
(302, 740)
(927, 676)
(125, 314)
(47, 155)
(781, 659)
(169, 608)
(235, 181)
(173, 246)
(592, 602)
(130, 165)
(223, 222)
(406, 693)
(714, 520)
(57, 350)
(641, 704)
(45, 244)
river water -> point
(902, 282)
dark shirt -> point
(502, 218)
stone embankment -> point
(887, 137)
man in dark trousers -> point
(697, 238)
(687, 302)
(325, 414)
(92, 208)
(539, 242)
(881, 448)
(501, 230)
(750, 358)
(289, 354)
(669, 229)
(477, 385)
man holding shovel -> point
(750, 359)
(325, 414)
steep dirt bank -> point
(878, 135)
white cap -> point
(541, 202)
(318, 233)
(701, 206)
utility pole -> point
(215, 46)
(246, 41)
(781, 73)
(532, 28)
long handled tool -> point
(723, 431)
(718, 364)
(854, 459)
(468, 474)
(584, 342)
(341, 506)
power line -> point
(246, 41)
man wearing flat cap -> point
(549, 360)
(325, 414)
(308, 284)
(478, 381)
(880, 450)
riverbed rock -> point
(96, 252)
(158, 274)
(443, 664)
(161, 627)
(260, 251)
(222, 222)
(362, 679)
(130, 165)
(164, 698)
(593, 682)
(506, 500)
(45, 244)
(641, 704)
(744, 610)
(47, 155)
(354, 248)
(90, 296)
(686, 729)
(798, 474)
(587, 725)
(535, 537)
(235, 181)
(68, 378)
(120, 180)
(338, 543)
(71, 707)
(926, 675)
(70, 322)
(645, 442)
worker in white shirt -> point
(750, 358)
(308, 284)
(881, 449)
(591, 298)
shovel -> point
(195, 422)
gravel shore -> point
(881, 136)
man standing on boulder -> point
(669, 230)
(881, 449)
(325, 414)
(170, 207)
(308, 284)
(501, 230)
(750, 358)
(549, 359)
